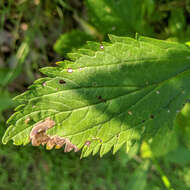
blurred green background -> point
(38, 33)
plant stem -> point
(164, 178)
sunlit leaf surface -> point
(110, 94)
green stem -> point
(164, 178)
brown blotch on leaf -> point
(39, 137)
(130, 113)
(27, 120)
(87, 143)
(69, 146)
(41, 127)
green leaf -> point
(183, 122)
(180, 156)
(121, 17)
(113, 94)
(177, 21)
(70, 41)
(138, 180)
(161, 144)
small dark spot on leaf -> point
(152, 116)
(101, 99)
(62, 82)
(143, 121)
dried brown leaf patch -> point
(39, 137)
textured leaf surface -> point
(109, 95)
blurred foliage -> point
(121, 17)
(70, 41)
(37, 33)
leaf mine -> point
(39, 137)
